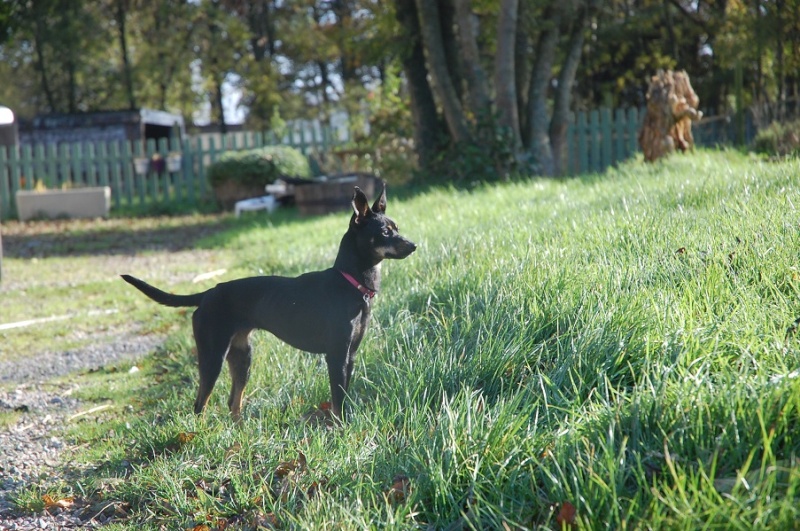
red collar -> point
(365, 291)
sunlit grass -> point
(619, 344)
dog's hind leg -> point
(212, 345)
(239, 357)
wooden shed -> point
(102, 126)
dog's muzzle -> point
(405, 248)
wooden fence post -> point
(101, 163)
(38, 164)
(606, 159)
(633, 130)
(620, 153)
(89, 166)
(26, 162)
(583, 151)
(6, 194)
(51, 158)
(112, 164)
(116, 164)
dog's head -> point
(376, 233)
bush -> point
(490, 157)
(780, 139)
(258, 167)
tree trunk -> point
(560, 120)
(423, 106)
(41, 66)
(781, 69)
(537, 95)
(123, 45)
(477, 89)
(260, 21)
(452, 47)
(324, 80)
(671, 108)
(347, 65)
(72, 83)
(522, 68)
(223, 126)
(430, 29)
(504, 74)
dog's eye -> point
(387, 232)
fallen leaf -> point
(400, 489)
(60, 503)
(200, 527)
(566, 515)
(266, 520)
(186, 437)
(316, 487)
(285, 468)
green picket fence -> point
(600, 138)
(595, 140)
(138, 173)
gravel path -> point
(32, 449)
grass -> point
(69, 272)
(613, 350)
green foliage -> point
(489, 158)
(390, 130)
(258, 167)
(778, 139)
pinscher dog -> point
(324, 312)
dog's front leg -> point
(337, 373)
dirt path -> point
(32, 447)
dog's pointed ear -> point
(360, 205)
(380, 204)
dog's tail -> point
(162, 297)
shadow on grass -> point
(130, 236)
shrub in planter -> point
(779, 139)
(238, 175)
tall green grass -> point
(620, 344)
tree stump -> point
(671, 109)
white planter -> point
(141, 165)
(174, 162)
(91, 202)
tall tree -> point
(475, 76)
(579, 18)
(504, 72)
(121, 13)
(423, 107)
(538, 136)
(443, 87)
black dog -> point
(325, 312)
